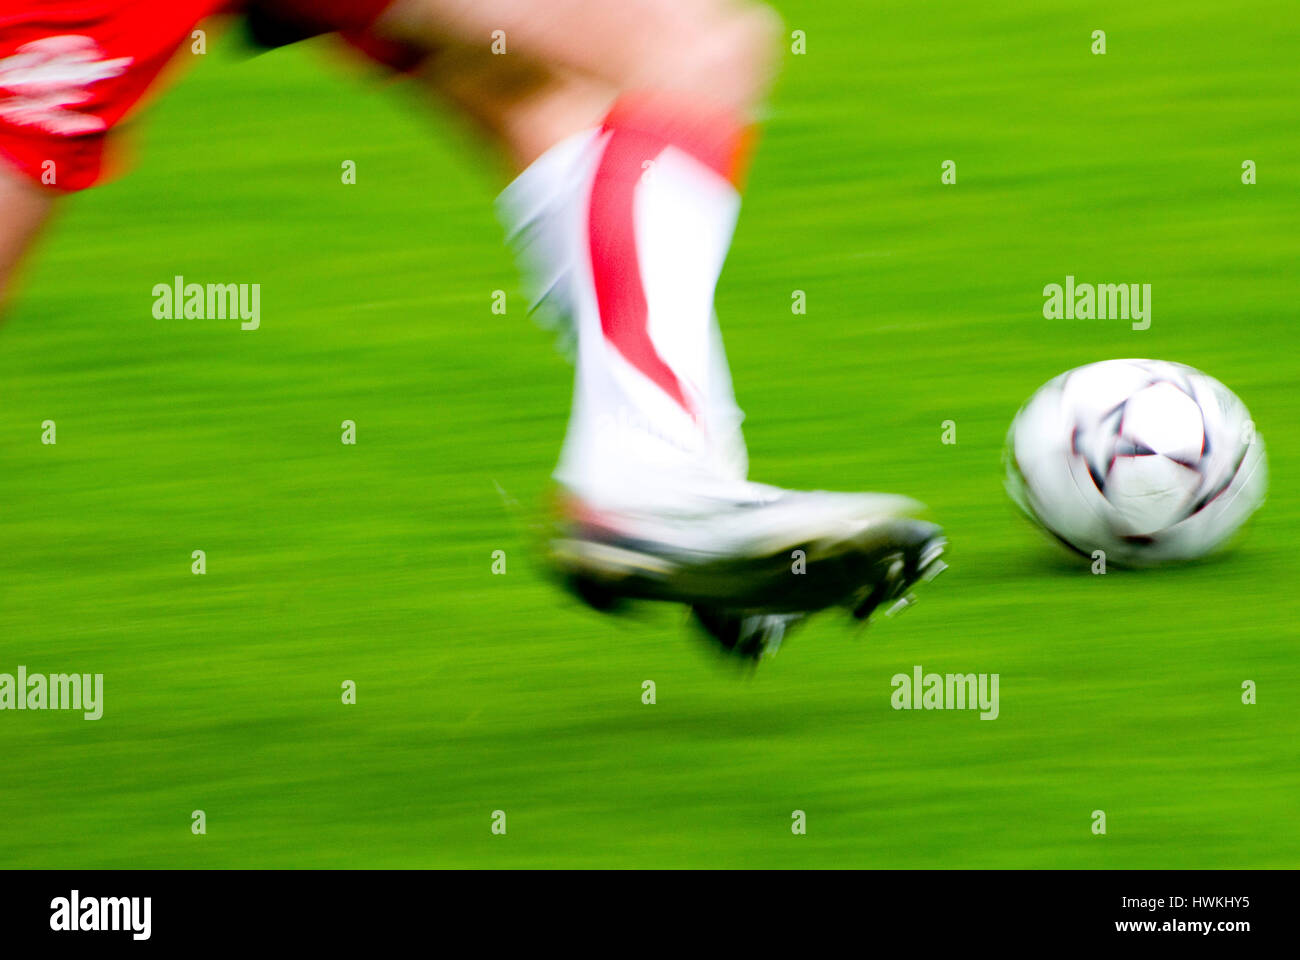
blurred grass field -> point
(476, 692)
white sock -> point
(642, 229)
(540, 210)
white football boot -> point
(752, 565)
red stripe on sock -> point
(715, 137)
(611, 235)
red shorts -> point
(70, 70)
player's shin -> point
(624, 232)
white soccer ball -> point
(1146, 460)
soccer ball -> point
(1146, 460)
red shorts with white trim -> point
(71, 70)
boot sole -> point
(870, 566)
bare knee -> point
(730, 60)
(713, 50)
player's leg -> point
(682, 78)
(625, 225)
(23, 209)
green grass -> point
(476, 692)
